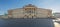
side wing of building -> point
(44, 13)
(17, 13)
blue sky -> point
(12, 4)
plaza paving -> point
(28, 23)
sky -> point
(6, 5)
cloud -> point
(52, 4)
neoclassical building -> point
(29, 11)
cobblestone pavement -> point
(27, 23)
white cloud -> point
(52, 4)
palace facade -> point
(29, 11)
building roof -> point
(29, 5)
